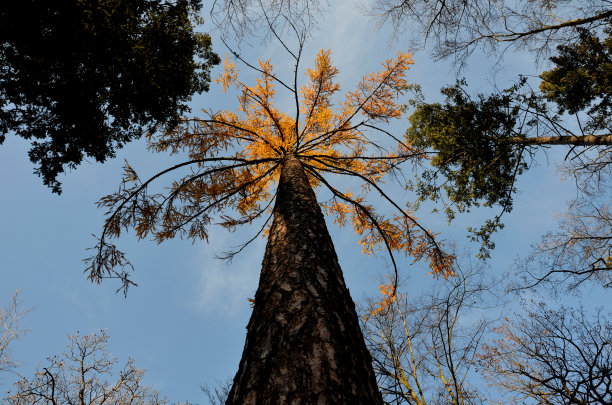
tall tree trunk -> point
(304, 344)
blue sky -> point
(185, 323)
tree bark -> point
(513, 36)
(584, 140)
(304, 344)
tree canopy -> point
(581, 78)
(471, 160)
(258, 162)
(425, 348)
(10, 331)
(81, 79)
(235, 158)
(479, 146)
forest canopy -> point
(81, 79)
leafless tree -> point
(458, 27)
(10, 330)
(424, 349)
(581, 249)
(218, 394)
(79, 376)
(552, 357)
(250, 19)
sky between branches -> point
(186, 321)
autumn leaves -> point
(235, 159)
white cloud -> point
(225, 288)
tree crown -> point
(84, 78)
(235, 159)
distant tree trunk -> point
(304, 344)
(584, 140)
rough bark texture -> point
(584, 140)
(304, 344)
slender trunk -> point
(585, 140)
(304, 344)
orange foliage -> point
(235, 157)
(389, 297)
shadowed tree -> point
(81, 79)
(304, 344)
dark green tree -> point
(471, 160)
(479, 146)
(581, 79)
(81, 79)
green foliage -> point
(582, 78)
(82, 78)
(479, 146)
(468, 137)
(472, 161)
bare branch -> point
(552, 356)
(79, 376)
(424, 347)
(10, 330)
